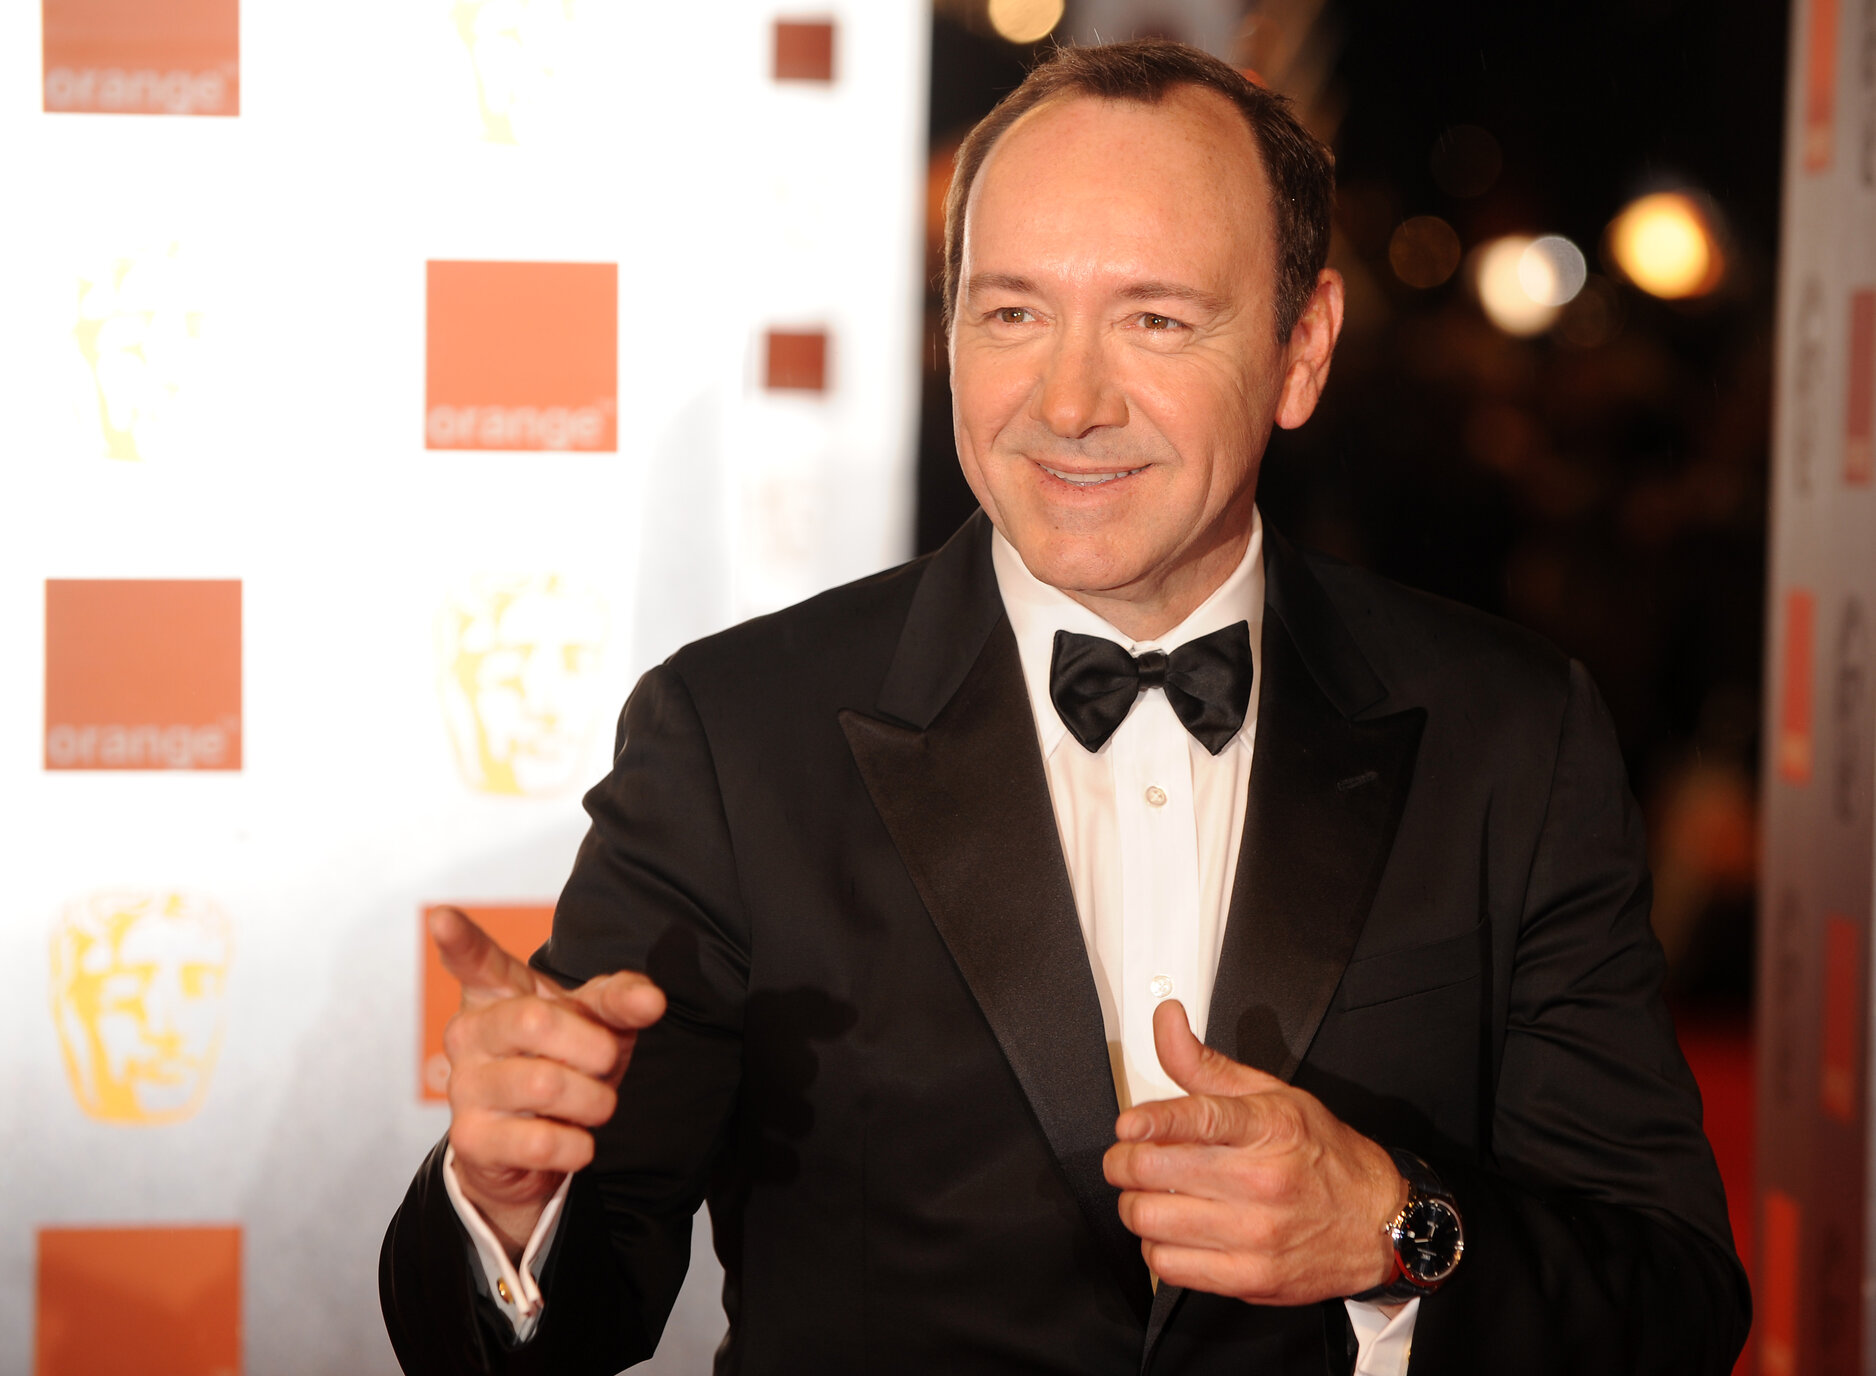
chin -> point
(1075, 563)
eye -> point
(1012, 315)
(1151, 321)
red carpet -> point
(1720, 1051)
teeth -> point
(1089, 479)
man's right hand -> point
(533, 1068)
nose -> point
(1077, 393)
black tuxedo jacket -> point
(828, 837)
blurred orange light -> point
(1025, 21)
(1423, 251)
(1664, 244)
(1500, 270)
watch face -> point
(1429, 1240)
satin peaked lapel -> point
(1327, 789)
(954, 768)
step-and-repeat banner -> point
(1814, 1299)
(385, 386)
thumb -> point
(1194, 1066)
(473, 957)
(625, 1000)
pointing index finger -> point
(474, 958)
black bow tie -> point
(1093, 683)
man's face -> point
(1114, 361)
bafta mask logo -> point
(515, 46)
(519, 664)
(138, 337)
(137, 992)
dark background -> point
(1610, 495)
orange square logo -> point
(1795, 746)
(143, 673)
(517, 928)
(142, 57)
(797, 361)
(804, 50)
(1778, 1287)
(1843, 987)
(1857, 457)
(522, 356)
(1820, 85)
(156, 1301)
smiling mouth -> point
(1089, 479)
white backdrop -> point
(213, 366)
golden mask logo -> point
(143, 57)
(518, 663)
(153, 1300)
(143, 673)
(516, 47)
(137, 994)
(521, 356)
(138, 337)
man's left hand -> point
(1249, 1187)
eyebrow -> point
(1000, 281)
(1135, 291)
(1175, 291)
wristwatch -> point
(1427, 1234)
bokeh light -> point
(1499, 270)
(1423, 251)
(1025, 21)
(1552, 271)
(1665, 244)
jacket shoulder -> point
(846, 633)
(1429, 648)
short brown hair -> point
(1300, 168)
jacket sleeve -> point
(1596, 1230)
(654, 888)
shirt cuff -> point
(1383, 1345)
(516, 1293)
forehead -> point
(1182, 173)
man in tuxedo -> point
(1119, 941)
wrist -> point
(512, 1222)
(1424, 1237)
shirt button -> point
(1161, 986)
(501, 1288)
(1156, 796)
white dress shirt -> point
(1151, 825)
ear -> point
(1306, 356)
